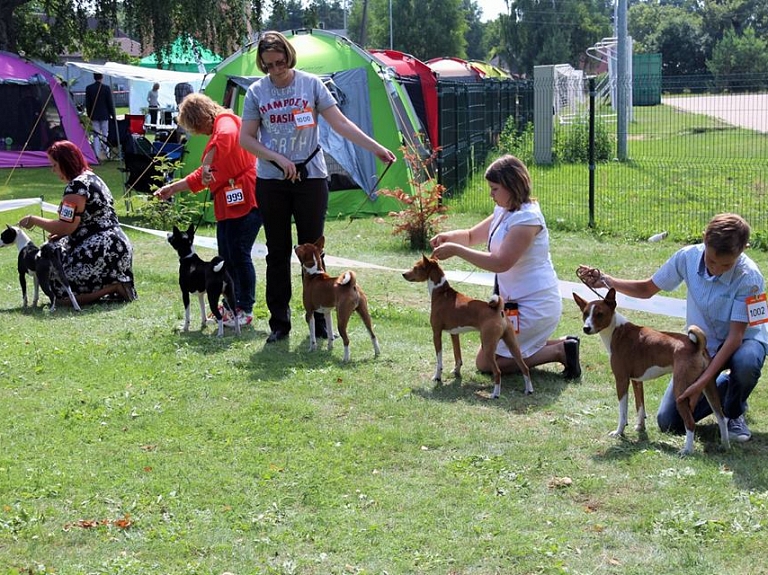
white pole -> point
(390, 25)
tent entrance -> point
(31, 120)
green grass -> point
(226, 455)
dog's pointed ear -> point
(580, 301)
(610, 298)
(320, 243)
(191, 229)
(425, 259)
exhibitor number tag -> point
(513, 315)
(757, 309)
(234, 196)
(304, 119)
(67, 212)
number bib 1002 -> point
(757, 309)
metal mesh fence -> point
(703, 150)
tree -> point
(63, 27)
(441, 33)
(674, 31)
(46, 29)
(537, 32)
(739, 54)
(220, 26)
(289, 16)
(477, 46)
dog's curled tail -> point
(348, 278)
(495, 302)
(697, 336)
(217, 264)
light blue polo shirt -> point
(713, 302)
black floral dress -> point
(98, 252)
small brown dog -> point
(457, 313)
(640, 353)
(323, 293)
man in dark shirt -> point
(101, 110)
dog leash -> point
(583, 273)
(368, 196)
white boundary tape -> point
(660, 305)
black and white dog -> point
(201, 278)
(41, 264)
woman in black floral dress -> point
(97, 255)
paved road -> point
(744, 110)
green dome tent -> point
(183, 56)
(367, 94)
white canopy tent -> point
(140, 81)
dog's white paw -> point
(528, 385)
(616, 433)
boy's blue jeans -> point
(734, 387)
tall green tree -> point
(673, 30)
(289, 15)
(536, 32)
(423, 28)
(738, 54)
(45, 29)
(477, 46)
(221, 26)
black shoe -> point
(277, 335)
(572, 366)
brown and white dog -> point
(639, 353)
(322, 293)
(457, 313)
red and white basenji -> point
(323, 293)
(639, 353)
(457, 313)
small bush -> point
(423, 210)
(515, 142)
(572, 142)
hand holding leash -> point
(26, 223)
(592, 277)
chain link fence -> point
(702, 150)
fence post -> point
(592, 152)
(543, 113)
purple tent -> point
(37, 111)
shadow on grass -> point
(476, 387)
(281, 360)
(748, 462)
(63, 311)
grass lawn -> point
(130, 448)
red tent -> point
(420, 83)
(456, 69)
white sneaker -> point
(738, 430)
(241, 317)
